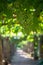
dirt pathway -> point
(22, 58)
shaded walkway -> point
(22, 58)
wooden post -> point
(41, 46)
(1, 51)
(6, 49)
(35, 47)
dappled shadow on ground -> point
(22, 58)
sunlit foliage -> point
(27, 13)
